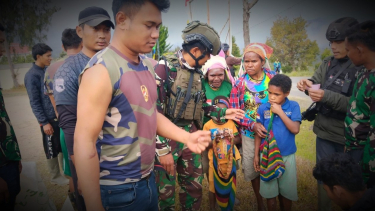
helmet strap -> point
(197, 59)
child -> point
(359, 121)
(286, 125)
(222, 155)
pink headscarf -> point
(218, 62)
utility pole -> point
(230, 37)
(191, 14)
(208, 12)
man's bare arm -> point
(196, 142)
(94, 96)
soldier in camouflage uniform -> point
(200, 40)
(10, 156)
(360, 119)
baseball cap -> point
(94, 16)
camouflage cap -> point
(336, 30)
(205, 34)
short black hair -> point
(2, 28)
(131, 7)
(282, 81)
(363, 33)
(188, 46)
(40, 49)
(70, 39)
(340, 169)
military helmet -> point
(225, 47)
(203, 33)
(336, 30)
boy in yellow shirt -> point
(223, 155)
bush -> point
(286, 69)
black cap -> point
(94, 16)
(225, 47)
(336, 30)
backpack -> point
(185, 100)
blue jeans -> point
(11, 175)
(324, 148)
(140, 196)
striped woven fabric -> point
(272, 165)
(225, 189)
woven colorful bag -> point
(272, 165)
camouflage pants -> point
(189, 170)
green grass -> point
(300, 74)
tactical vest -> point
(184, 102)
(343, 84)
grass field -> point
(300, 74)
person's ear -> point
(79, 31)
(62, 46)
(338, 191)
(287, 94)
(38, 56)
(122, 20)
(195, 51)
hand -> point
(168, 163)
(4, 192)
(304, 84)
(276, 108)
(48, 129)
(198, 141)
(256, 163)
(260, 130)
(234, 114)
(316, 95)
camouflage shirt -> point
(9, 150)
(126, 144)
(360, 119)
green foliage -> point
(163, 36)
(235, 49)
(18, 59)
(286, 68)
(26, 20)
(291, 44)
(62, 54)
(326, 53)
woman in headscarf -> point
(248, 93)
(217, 81)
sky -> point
(318, 13)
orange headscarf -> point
(263, 50)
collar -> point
(37, 67)
(284, 106)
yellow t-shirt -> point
(211, 125)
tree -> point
(26, 21)
(62, 54)
(326, 53)
(291, 44)
(246, 17)
(235, 49)
(163, 36)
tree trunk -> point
(11, 65)
(246, 17)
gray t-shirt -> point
(65, 89)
